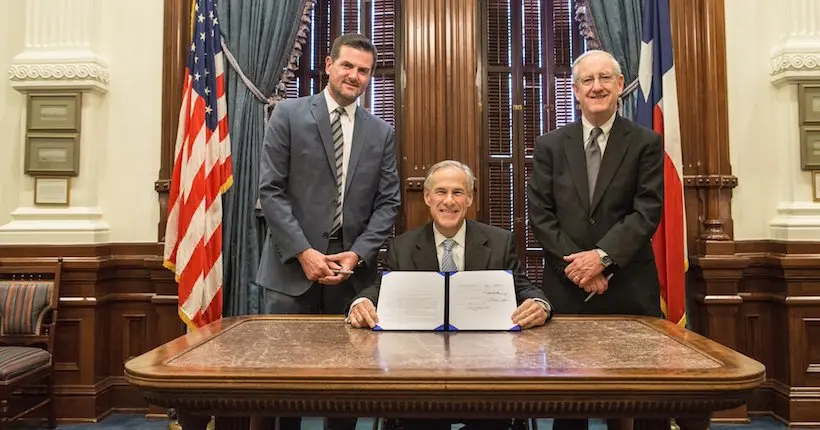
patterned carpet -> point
(138, 422)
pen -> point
(342, 272)
(589, 296)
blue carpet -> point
(138, 422)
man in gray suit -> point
(329, 191)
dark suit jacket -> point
(486, 248)
(298, 194)
(621, 219)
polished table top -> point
(319, 366)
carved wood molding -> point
(175, 39)
(479, 405)
(698, 33)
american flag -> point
(202, 172)
(658, 109)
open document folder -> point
(472, 300)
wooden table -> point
(572, 367)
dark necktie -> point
(339, 150)
(593, 152)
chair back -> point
(29, 299)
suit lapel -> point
(424, 256)
(360, 138)
(476, 251)
(616, 147)
(577, 161)
(322, 118)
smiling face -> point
(597, 86)
(448, 198)
(349, 74)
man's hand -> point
(583, 266)
(597, 285)
(529, 314)
(314, 264)
(342, 264)
(363, 315)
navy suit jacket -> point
(621, 218)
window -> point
(529, 49)
(373, 18)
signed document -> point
(411, 301)
(470, 300)
(482, 300)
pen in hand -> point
(342, 272)
(589, 296)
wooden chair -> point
(29, 298)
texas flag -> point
(658, 109)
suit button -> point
(334, 202)
(591, 221)
(325, 235)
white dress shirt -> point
(347, 133)
(606, 127)
(458, 249)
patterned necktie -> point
(339, 150)
(447, 262)
(593, 152)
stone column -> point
(61, 53)
(795, 59)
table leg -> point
(694, 423)
(192, 422)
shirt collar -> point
(332, 105)
(605, 127)
(458, 238)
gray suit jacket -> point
(486, 248)
(621, 218)
(298, 195)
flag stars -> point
(211, 14)
(193, 47)
(202, 36)
(207, 72)
(207, 91)
(197, 76)
(208, 109)
(196, 58)
(201, 17)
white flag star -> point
(208, 109)
(207, 91)
(201, 17)
(202, 36)
(196, 76)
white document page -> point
(411, 301)
(482, 300)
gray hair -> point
(615, 65)
(454, 164)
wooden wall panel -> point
(116, 302)
(440, 104)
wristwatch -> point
(546, 306)
(606, 261)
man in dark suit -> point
(595, 201)
(329, 191)
(476, 246)
(451, 241)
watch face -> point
(606, 260)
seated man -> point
(450, 243)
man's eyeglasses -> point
(589, 80)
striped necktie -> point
(339, 150)
(448, 264)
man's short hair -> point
(356, 41)
(616, 67)
(454, 164)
